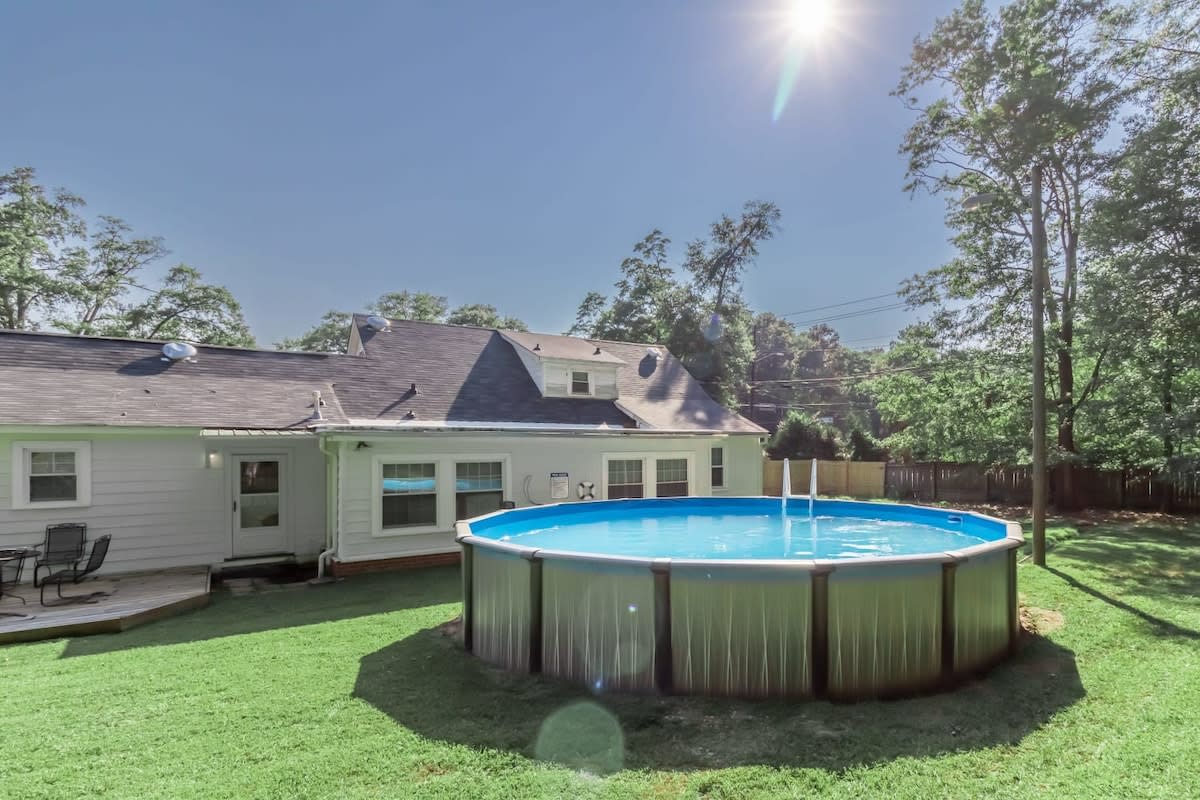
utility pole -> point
(1039, 371)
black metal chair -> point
(75, 575)
(63, 548)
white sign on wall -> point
(558, 486)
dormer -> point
(563, 366)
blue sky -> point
(314, 155)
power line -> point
(840, 378)
(849, 314)
(838, 305)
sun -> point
(810, 18)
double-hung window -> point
(51, 474)
(625, 478)
(581, 382)
(718, 467)
(479, 488)
(671, 477)
(409, 495)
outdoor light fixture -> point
(212, 459)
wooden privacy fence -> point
(853, 478)
(1140, 490)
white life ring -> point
(587, 490)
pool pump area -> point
(742, 597)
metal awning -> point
(242, 433)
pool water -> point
(756, 530)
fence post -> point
(1121, 489)
(987, 485)
(935, 481)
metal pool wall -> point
(843, 629)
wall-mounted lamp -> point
(362, 445)
(212, 459)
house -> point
(218, 456)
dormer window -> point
(580, 382)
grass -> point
(353, 691)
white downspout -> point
(334, 534)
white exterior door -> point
(260, 506)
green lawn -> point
(352, 691)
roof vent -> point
(410, 415)
(537, 347)
(412, 389)
(378, 323)
(654, 353)
(597, 351)
(178, 351)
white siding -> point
(529, 455)
(558, 378)
(161, 504)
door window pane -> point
(260, 477)
(260, 511)
(671, 478)
(625, 479)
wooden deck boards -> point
(134, 599)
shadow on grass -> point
(227, 615)
(428, 684)
(1158, 564)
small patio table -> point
(7, 556)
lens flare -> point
(809, 27)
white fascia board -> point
(415, 426)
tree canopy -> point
(332, 331)
(54, 274)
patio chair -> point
(75, 575)
(63, 548)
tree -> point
(184, 308)
(331, 333)
(703, 320)
(38, 242)
(483, 315)
(1033, 84)
(97, 285)
(52, 274)
(802, 435)
(942, 403)
(1143, 299)
(417, 306)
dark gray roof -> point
(461, 375)
(74, 380)
(571, 348)
(473, 375)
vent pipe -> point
(316, 404)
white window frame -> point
(444, 489)
(21, 456)
(503, 462)
(724, 484)
(649, 470)
(591, 390)
(377, 528)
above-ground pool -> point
(736, 596)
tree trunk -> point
(1064, 483)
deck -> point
(133, 599)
